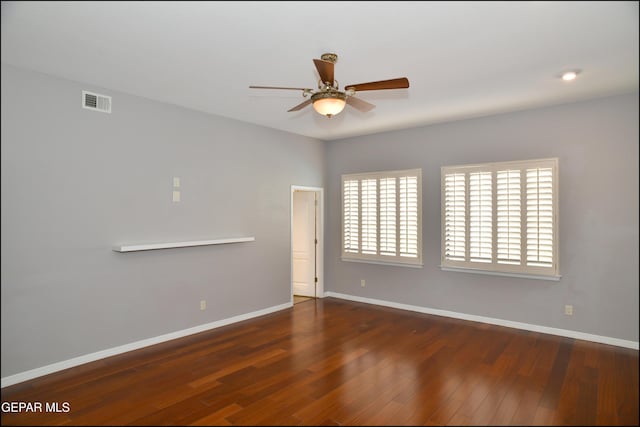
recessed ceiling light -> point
(570, 75)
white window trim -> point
(499, 273)
(393, 260)
(544, 273)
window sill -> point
(374, 261)
(501, 273)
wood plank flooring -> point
(336, 362)
(299, 298)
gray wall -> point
(597, 146)
(75, 182)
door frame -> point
(319, 252)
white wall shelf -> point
(151, 246)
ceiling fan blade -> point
(300, 106)
(277, 87)
(400, 83)
(325, 69)
(359, 104)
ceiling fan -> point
(328, 100)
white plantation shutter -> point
(369, 189)
(408, 216)
(350, 214)
(382, 212)
(480, 217)
(501, 217)
(509, 214)
(540, 207)
(454, 217)
(388, 216)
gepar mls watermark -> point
(19, 407)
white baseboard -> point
(500, 322)
(65, 364)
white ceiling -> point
(463, 59)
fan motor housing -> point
(330, 57)
(335, 94)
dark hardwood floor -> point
(335, 362)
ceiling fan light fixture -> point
(329, 103)
(329, 100)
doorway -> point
(306, 243)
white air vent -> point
(96, 102)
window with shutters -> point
(501, 218)
(382, 217)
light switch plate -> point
(176, 196)
(176, 182)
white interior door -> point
(303, 245)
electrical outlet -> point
(568, 310)
(203, 304)
(362, 283)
